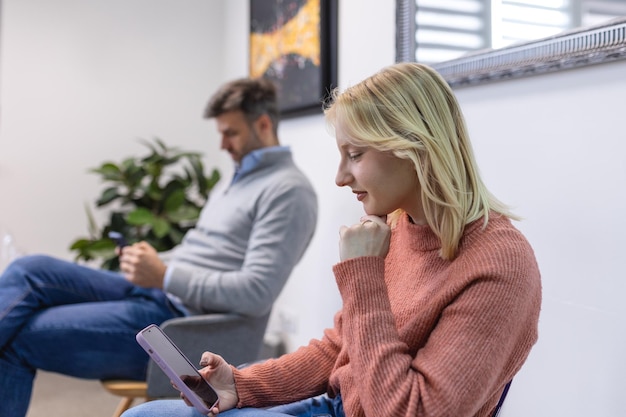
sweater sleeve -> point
(483, 331)
(291, 377)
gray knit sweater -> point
(248, 238)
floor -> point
(57, 395)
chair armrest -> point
(236, 338)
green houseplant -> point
(156, 198)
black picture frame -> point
(294, 43)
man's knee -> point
(30, 263)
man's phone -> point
(118, 238)
(178, 368)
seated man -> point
(62, 317)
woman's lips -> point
(360, 195)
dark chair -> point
(238, 339)
(505, 391)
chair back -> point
(236, 338)
(505, 391)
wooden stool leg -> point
(123, 405)
(128, 390)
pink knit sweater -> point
(417, 335)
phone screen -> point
(167, 355)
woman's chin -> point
(377, 213)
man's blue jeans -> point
(321, 406)
(62, 317)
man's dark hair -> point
(252, 96)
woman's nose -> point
(342, 178)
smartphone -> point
(118, 238)
(178, 368)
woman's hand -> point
(368, 238)
(220, 375)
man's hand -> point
(142, 266)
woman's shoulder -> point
(497, 230)
(498, 243)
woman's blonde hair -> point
(409, 109)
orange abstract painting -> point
(290, 42)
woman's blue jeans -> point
(62, 317)
(321, 406)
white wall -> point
(554, 146)
(81, 80)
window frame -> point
(575, 48)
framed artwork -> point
(294, 43)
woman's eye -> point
(354, 155)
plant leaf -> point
(160, 227)
(109, 171)
(214, 178)
(174, 200)
(184, 214)
(140, 216)
(108, 195)
(92, 226)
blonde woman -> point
(441, 293)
